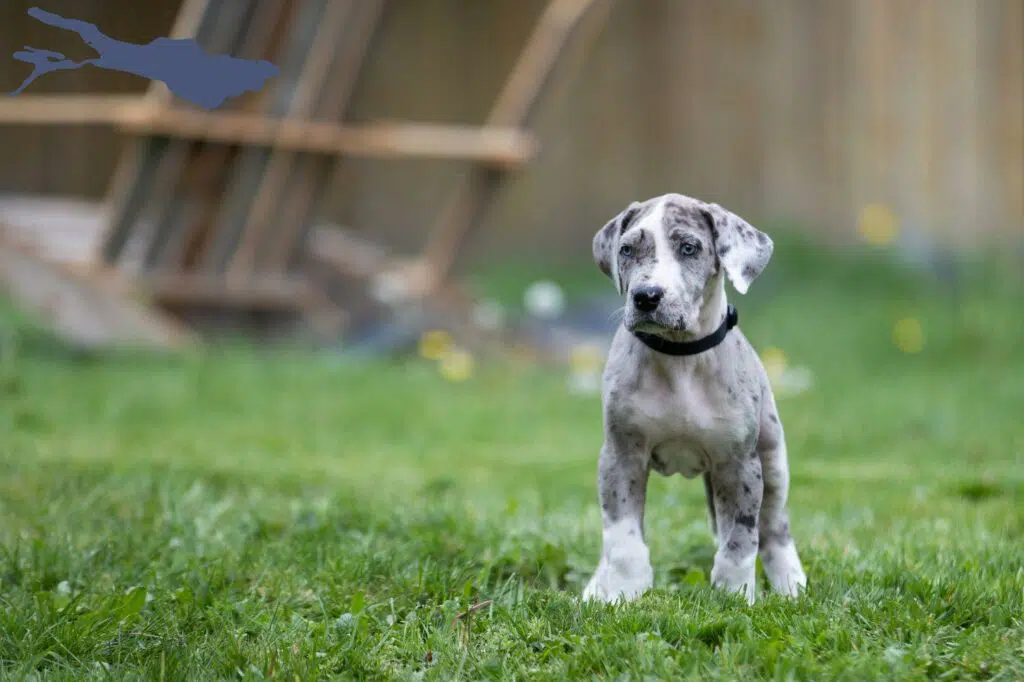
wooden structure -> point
(217, 209)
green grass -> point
(243, 515)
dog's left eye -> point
(688, 249)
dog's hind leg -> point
(776, 546)
(737, 496)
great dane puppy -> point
(684, 392)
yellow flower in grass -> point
(456, 364)
(908, 335)
(586, 358)
(434, 343)
(878, 224)
(774, 361)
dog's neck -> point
(712, 313)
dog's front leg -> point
(624, 572)
(737, 490)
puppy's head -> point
(667, 256)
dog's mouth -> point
(656, 325)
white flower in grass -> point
(544, 299)
(582, 383)
(389, 288)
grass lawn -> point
(243, 515)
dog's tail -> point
(709, 492)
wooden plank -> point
(154, 160)
(65, 110)
(141, 159)
(153, 168)
(266, 292)
(537, 60)
(513, 107)
(86, 311)
(504, 147)
(175, 223)
(164, 206)
(259, 293)
(252, 161)
(307, 184)
(212, 166)
(312, 80)
(348, 253)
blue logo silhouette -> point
(189, 72)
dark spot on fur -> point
(753, 455)
(732, 545)
(683, 214)
(757, 475)
(762, 238)
(746, 488)
(749, 271)
(774, 418)
(627, 218)
(746, 520)
(724, 249)
(644, 209)
(779, 536)
(632, 482)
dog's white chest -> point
(686, 423)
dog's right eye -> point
(626, 250)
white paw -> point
(623, 574)
(610, 586)
(785, 574)
(735, 576)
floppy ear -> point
(606, 244)
(743, 250)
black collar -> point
(656, 343)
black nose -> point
(647, 298)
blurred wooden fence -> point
(798, 110)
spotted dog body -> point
(711, 414)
